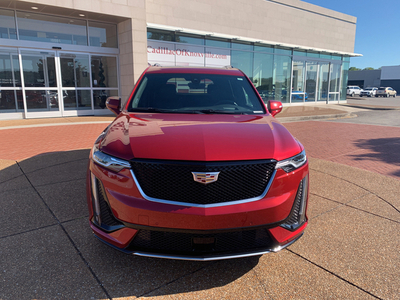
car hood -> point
(198, 137)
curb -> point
(373, 107)
(316, 117)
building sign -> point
(174, 54)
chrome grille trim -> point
(204, 205)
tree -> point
(368, 68)
(354, 69)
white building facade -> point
(64, 58)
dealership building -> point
(64, 58)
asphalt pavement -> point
(350, 250)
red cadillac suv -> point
(196, 167)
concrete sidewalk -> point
(350, 249)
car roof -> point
(197, 70)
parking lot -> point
(350, 249)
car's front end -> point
(197, 185)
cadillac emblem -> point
(205, 178)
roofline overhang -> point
(247, 39)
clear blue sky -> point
(377, 33)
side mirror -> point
(114, 104)
(274, 107)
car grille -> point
(198, 244)
(171, 180)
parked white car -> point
(369, 92)
(353, 90)
(385, 92)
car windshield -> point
(195, 93)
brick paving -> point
(369, 147)
(22, 143)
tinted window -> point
(196, 93)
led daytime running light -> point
(109, 162)
(293, 163)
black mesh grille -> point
(174, 181)
(294, 215)
(188, 243)
(106, 215)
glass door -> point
(311, 80)
(323, 81)
(75, 79)
(334, 83)
(41, 83)
(298, 83)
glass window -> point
(298, 86)
(44, 28)
(11, 100)
(159, 35)
(336, 57)
(104, 71)
(39, 69)
(100, 97)
(285, 51)
(313, 54)
(335, 77)
(345, 77)
(75, 70)
(242, 46)
(41, 100)
(103, 35)
(282, 74)
(7, 24)
(263, 49)
(346, 58)
(77, 99)
(218, 43)
(263, 75)
(243, 61)
(300, 53)
(189, 40)
(323, 81)
(326, 56)
(9, 69)
(311, 80)
(193, 93)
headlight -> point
(109, 162)
(293, 163)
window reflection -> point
(7, 24)
(100, 97)
(41, 100)
(44, 28)
(75, 70)
(103, 35)
(77, 99)
(282, 75)
(39, 69)
(263, 74)
(104, 71)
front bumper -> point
(132, 224)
